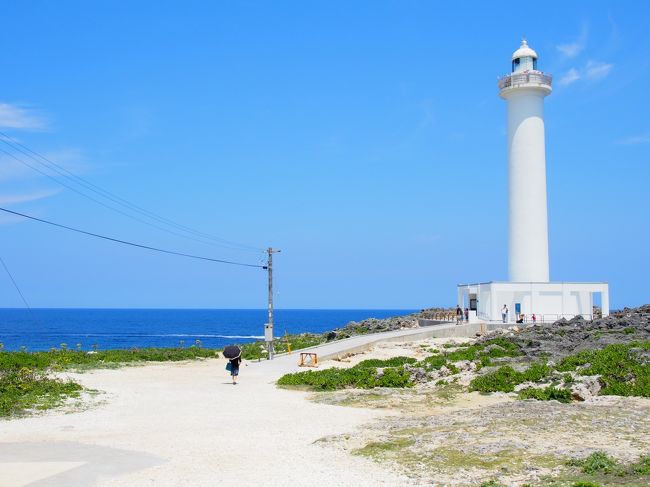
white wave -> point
(258, 337)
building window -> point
(515, 64)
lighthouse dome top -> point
(524, 51)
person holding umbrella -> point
(233, 354)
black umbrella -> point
(231, 352)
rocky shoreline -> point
(374, 325)
(565, 337)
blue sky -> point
(364, 139)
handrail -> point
(535, 77)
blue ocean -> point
(42, 329)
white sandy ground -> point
(184, 424)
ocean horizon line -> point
(32, 308)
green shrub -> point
(585, 483)
(354, 377)
(476, 351)
(433, 362)
(395, 377)
(257, 350)
(597, 462)
(505, 378)
(547, 394)
(25, 389)
(453, 369)
(623, 370)
(642, 466)
(536, 372)
(391, 362)
(61, 359)
(491, 483)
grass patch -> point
(496, 348)
(597, 462)
(66, 359)
(549, 393)
(623, 369)
(601, 469)
(355, 377)
(257, 350)
(433, 362)
(380, 448)
(505, 378)
(22, 390)
(391, 362)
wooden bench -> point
(308, 359)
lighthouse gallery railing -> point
(536, 77)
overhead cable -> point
(22, 296)
(87, 185)
(126, 242)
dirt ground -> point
(444, 435)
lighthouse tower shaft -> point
(524, 90)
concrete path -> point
(285, 363)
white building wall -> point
(548, 301)
(528, 224)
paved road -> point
(284, 363)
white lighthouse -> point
(529, 291)
(524, 90)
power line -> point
(71, 188)
(126, 242)
(63, 172)
(22, 296)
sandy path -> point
(185, 425)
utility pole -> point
(268, 331)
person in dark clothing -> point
(234, 368)
(466, 315)
(459, 315)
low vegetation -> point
(599, 469)
(624, 369)
(24, 389)
(504, 379)
(77, 359)
(257, 350)
(546, 394)
(360, 376)
(393, 372)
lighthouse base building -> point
(529, 295)
(548, 301)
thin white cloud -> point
(20, 117)
(592, 71)
(12, 170)
(571, 76)
(7, 199)
(597, 69)
(572, 49)
(636, 139)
